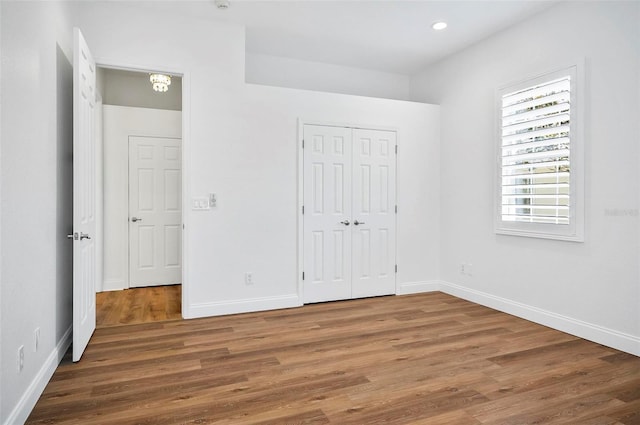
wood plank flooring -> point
(139, 305)
(419, 359)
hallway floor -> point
(138, 305)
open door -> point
(84, 195)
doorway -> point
(349, 221)
(142, 169)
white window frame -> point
(574, 231)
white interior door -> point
(374, 219)
(349, 213)
(155, 218)
(327, 215)
(84, 196)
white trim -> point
(137, 67)
(592, 332)
(99, 188)
(302, 123)
(407, 288)
(114, 285)
(247, 305)
(27, 402)
(186, 186)
(299, 215)
(574, 232)
(589, 331)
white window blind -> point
(536, 153)
(539, 190)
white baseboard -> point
(599, 334)
(21, 412)
(241, 306)
(407, 288)
(113, 285)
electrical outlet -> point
(213, 201)
(20, 358)
(36, 339)
(462, 268)
(248, 278)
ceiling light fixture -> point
(439, 26)
(161, 82)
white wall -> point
(591, 288)
(299, 74)
(241, 143)
(36, 208)
(120, 122)
(254, 173)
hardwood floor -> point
(419, 359)
(139, 305)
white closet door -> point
(155, 212)
(349, 219)
(327, 215)
(374, 219)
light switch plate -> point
(200, 203)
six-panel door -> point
(374, 198)
(349, 216)
(84, 195)
(327, 201)
(155, 218)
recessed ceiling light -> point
(439, 26)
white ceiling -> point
(391, 36)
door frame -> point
(185, 149)
(300, 196)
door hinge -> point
(302, 275)
(396, 268)
(303, 209)
(396, 209)
(302, 143)
(396, 149)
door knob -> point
(358, 222)
(346, 222)
(84, 236)
(134, 219)
(73, 236)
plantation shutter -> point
(535, 157)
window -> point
(540, 158)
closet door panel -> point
(374, 219)
(327, 201)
